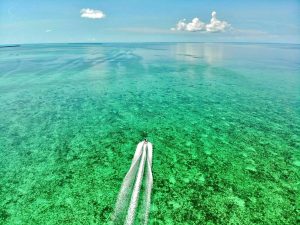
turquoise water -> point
(224, 120)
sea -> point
(223, 118)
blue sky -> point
(34, 21)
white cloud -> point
(181, 25)
(47, 31)
(215, 25)
(195, 25)
(92, 13)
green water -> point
(224, 120)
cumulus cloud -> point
(216, 25)
(92, 13)
(196, 24)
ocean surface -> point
(224, 120)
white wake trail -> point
(127, 184)
(128, 198)
(136, 190)
(149, 180)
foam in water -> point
(128, 198)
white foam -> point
(129, 194)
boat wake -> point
(129, 208)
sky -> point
(53, 21)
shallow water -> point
(224, 120)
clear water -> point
(224, 120)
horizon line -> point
(150, 42)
